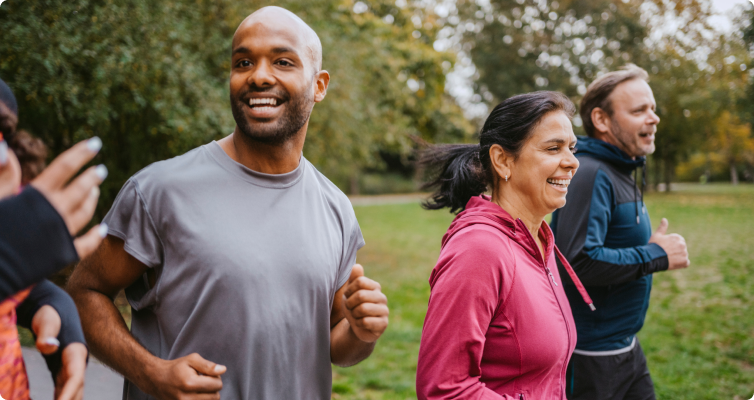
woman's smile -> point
(559, 184)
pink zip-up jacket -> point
(498, 325)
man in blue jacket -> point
(605, 233)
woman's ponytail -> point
(459, 172)
(456, 175)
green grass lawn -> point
(698, 336)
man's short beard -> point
(297, 114)
(620, 135)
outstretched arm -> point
(359, 317)
(93, 286)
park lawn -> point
(699, 332)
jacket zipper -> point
(541, 260)
(552, 278)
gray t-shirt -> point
(247, 266)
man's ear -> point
(600, 120)
(321, 81)
(501, 161)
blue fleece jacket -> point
(604, 231)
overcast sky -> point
(722, 7)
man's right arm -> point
(599, 265)
(93, 286)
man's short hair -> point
(598, 93)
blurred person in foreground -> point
(35, 242)
(237, 257)
(498, 325)
(605, 233)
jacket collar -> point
(608, 153)
(481, 210)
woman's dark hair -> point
(461, 171)
(8, 121)
(31, 153)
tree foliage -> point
(695, 71)
(151, 78)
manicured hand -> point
(10, 171)
(77, 200)
(365, 306)
(46, 325)
(187, 378)
(69, 384)
(673, 244)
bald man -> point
(237, 257)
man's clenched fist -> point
(365, 306)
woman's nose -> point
(570, 161)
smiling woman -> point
(498, 322)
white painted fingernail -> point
(94, 144)
(103, 229)
(101, 171)
(52, 341)
(3, 152)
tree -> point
(734, 143)
(524, 45)
(150, 78)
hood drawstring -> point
(579, 286)
(643, 185)
(636, 196)
(640, 196)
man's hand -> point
(365, 306)
(186, 378)
(673, 244)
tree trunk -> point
(733, 174)
(353, 184)
(668, 172)
(656, 174)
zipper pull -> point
(552, 278)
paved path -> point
(101, 383)
(388, 199)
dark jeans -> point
(614, 377)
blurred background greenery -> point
(151, 79)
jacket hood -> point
(608, 153)
(481, 210)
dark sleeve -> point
(34, 241)
(587, 222)
(46, 293)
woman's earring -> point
(506, 178)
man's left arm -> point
(358, 318)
